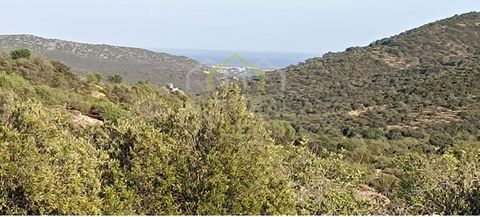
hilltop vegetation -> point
(133, 64)
(415, 93)
(365, 131)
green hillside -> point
(416, 85)
(391, 128)
(74, 145)
(412, 94)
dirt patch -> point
(98, 94)
(435, 115)
(393, 60)
(401, 126)
(83, 120)
(367, 193)
(429, 116)
(358, 112)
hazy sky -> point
(263, 25)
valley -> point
(391, 128)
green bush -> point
(282, 132)
(348, 132)
(446, 184)
(94, 78)
(394, 134)
(15, 83)
(44, 169)
(20, 53)
(442, 141)
(372, 133)
(116, 79)
(108, 111)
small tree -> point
(94, 78)
(117, 79)
(20, 53)
(372, 133)
(282, 132)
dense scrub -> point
(157, 152)
(414, 92)
(351, 135)
(150, 151)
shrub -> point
(45, 170)
(282, 132)
(442, 141)
(20, 53)
(413, 133)
(445, 185)
(348, 132)
(94, 78)
(394, 134)
(372, 133)
(116, 79)
(108, 111)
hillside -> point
(75, 146)
(423, 78)
(70, 146)
(416, 92)
(133, 64)
(388, 129)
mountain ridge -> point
(133, 64)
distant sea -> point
(265, 60)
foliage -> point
(20, 53)
(108, 111)
(352, 134)
(445, 185)
(44, 168)
(282, 132)
(94, 78)
(410, 85)
(116, 79)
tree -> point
(235, 153)
(117, 79)
(230, 163)
(20, 53)
(94, 78)
(372, 133)
(282, 132)
(442, 141)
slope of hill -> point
(372, 136)
(72, 146)
(133, 64)
(421, 83)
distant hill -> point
(133, 64)
(261, 59)
(425, 80)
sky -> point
(303, 26)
